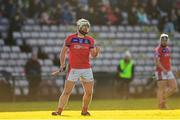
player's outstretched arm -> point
(95, 51)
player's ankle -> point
(84, 109)
(59, 110)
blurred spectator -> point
(118, 14)
(161, 24)
(33, 75)
(92, 16)
(17, 20)
(103, 12)
(166, 5)
(153, 11)
(45, 18)
(178, 21)
(125, 74)
(102, 15)
(105, 2)
(82, 12)
(25, 47)
(168, 26)
(123, 5)
(56, 60)
(41, 54)
(8, 7)
(35, 8)
(112, 18)
(173, 15)
(83, 3)
(67, 14)
(142, 16)
(16, 23)
(6, 86)
(114, 3)
(132, 16)
(24, 6)
(56, 17)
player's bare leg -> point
(88, 91)
(69, 85)
(161, 93)
(171, 88)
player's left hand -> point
(98, 49)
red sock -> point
(59, 110)
(84, 109)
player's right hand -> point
(98, 49)
(62, 68)
(165, 71)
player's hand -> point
(165, 71)
(98, 49)
(62, 68)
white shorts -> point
(164, 76)
(85, 75)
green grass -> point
(100, 109)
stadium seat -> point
(2, 62)
(113, 29)
(129, 29)
(137, 28)
(128, 35)
(43, 35)
(23, 56)
(36, 28)
(32, 42)
(95, 28)
(13, 55)
(120, 35)
(52, 35)
(35, 34)
(104, 28)
(46, 69)
(41, 42)
(4, 56)
(61, 35)
(121, 29)
(177, 35)
(30, 22)
(54, 28)
(1, 42)
(27, 28)
(15, 49)
(6, 49)
(17, 91)
(59, 82)
(20, 62)
(136, 35)
(47, 62)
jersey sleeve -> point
(67, 41)
(156, 53)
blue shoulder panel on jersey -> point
(80, 40)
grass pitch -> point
(99, 109)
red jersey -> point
(164, 56)
(79, 51)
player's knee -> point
(174, 89)
(66, 93)
(161, 88)
(88, 94)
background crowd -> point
(163, 13)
